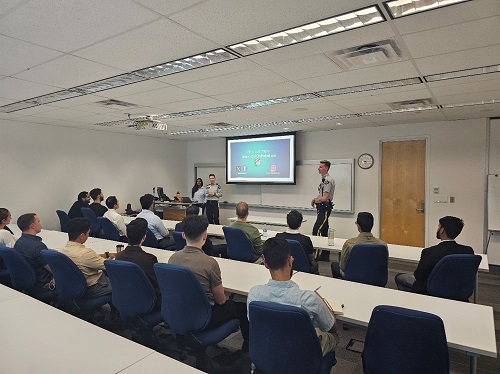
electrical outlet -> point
(452, 199)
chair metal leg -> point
(472, 364)
(476, 287)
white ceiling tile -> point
(167, 7)
(345, 102)
(161, 96)
(234, 82)
(72, 24)
(214, 18)
(68, 71)
(194, 104)
(262, 93)
(446, 16)
(349, 123)
(146, 46)
(469, 97)
(471, 87)
(9, 5)
(307, 67)
(460, 60)
(465, 80)
(382, 73)
(483, 111)
(210, 71)
(16, 55)
(77, 101)
(416, 117)
(297, 107)
(133, 89)
(63, 114)
(458, 37)
(17, 89)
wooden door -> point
(403, 193)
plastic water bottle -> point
(264, 231)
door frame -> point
(427, 139)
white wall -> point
(456, 162)
(43, 168)
(494, 168)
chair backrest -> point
(133, 294)
(180, 242)
(70, 281)
(110, 231)
(367, 263)
(277, 348)
(400, 340)
(150, 240)
(22, 274)
(184, 304)
(239, 247)
(90, 215)
(454, 277)
(63, 220)
(300, 260)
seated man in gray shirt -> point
(281, 289)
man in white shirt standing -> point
(154, 223)
(115, 218)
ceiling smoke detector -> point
(377, 53)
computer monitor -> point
(161, 195)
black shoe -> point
(324, 256)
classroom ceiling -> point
(49, 46)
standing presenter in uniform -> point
(213, 193)
(323, 203)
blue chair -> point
(239, 247)
(454, 277)
(110, 231)
(180, 242)
(300, 260)
(367, 263)
(63, 220)
(275, 347)
(185, 308)
(150, 240)
(90, 215)
(134, 296)
(71, 284)
(22, 275)
(400, 340)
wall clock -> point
(365, 161)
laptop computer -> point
(186, 199)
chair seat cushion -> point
(93, 303)
(212, 336)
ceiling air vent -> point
(115, 104)
(218, 124)
(377, 53)
(412, 104)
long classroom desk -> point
(469, 327)
(36, 337)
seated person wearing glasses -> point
(281, 289)
(207, 270)
(364, 223)
(294, 220)
(155, 224)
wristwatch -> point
(107, 254)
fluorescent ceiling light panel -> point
(333, 25)
(369, 87)
(401, 8)
(188, 63)
(473, 103)
(463, 73)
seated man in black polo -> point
(82, 201)
(294, 220)
(98, 197)
(448, 229)
(30, 245)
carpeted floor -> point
(351, 340)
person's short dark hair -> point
(211, 175)
(192, 210)
(94, 193)
(82, 195)
(276, 253)
(326, 163)
(294, 219)
(24, 222)
(136, 230)
(194, 226)
(452, 226)
(4, 214)
(146, 200)
(242, 209)
(78, 226)
(365, 221)
(111, 201)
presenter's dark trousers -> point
(212, 209)
(321, 226)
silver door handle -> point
(422, 208)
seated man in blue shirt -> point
(30, 245)
(281, 289)
(155, 223)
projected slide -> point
(269, 159)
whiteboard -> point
(494, 202)
(290, 196)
